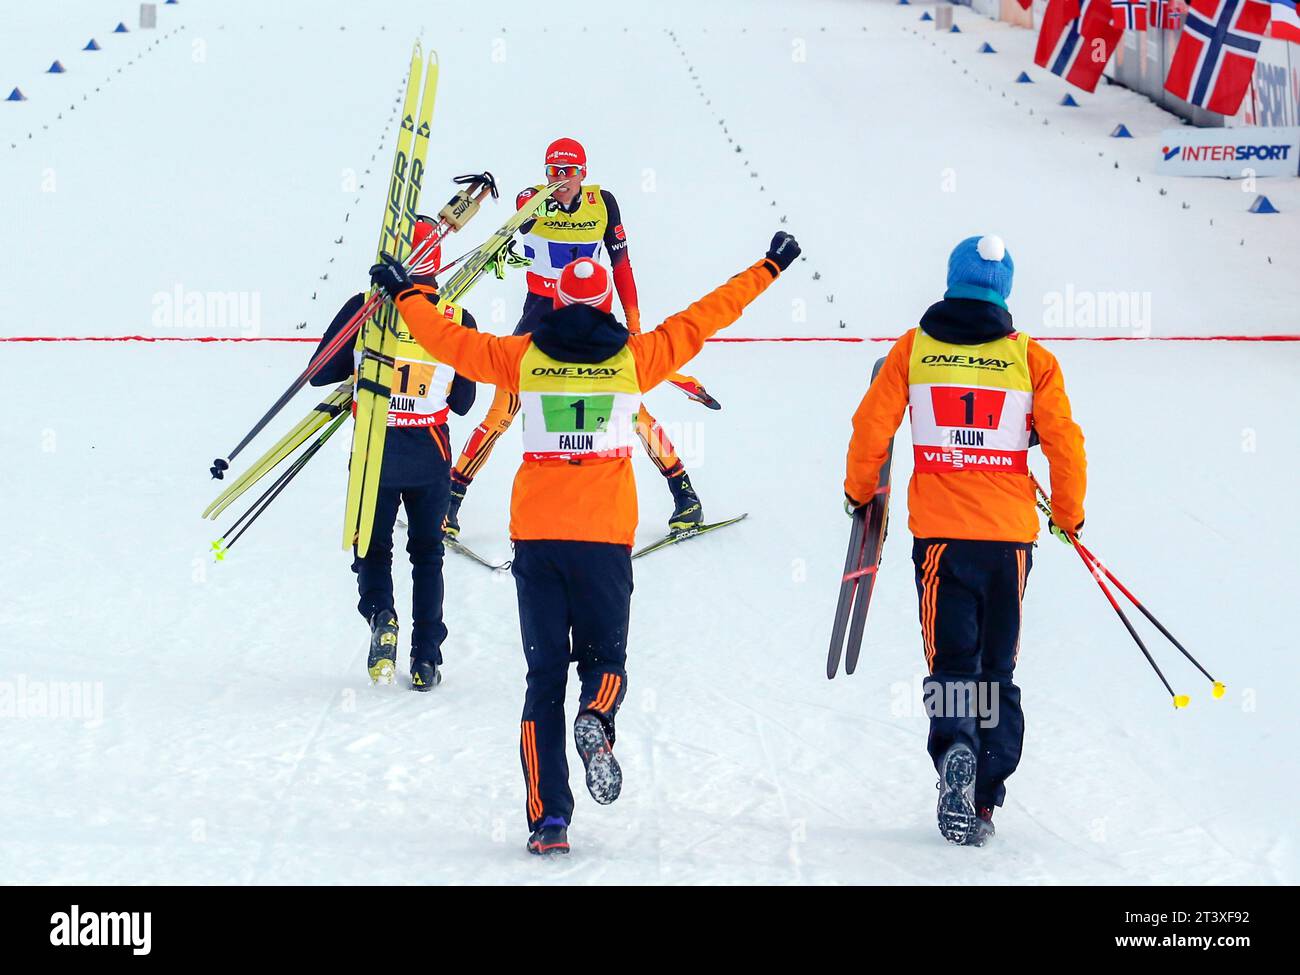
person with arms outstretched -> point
(579, 377)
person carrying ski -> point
(975, 389)
(581, 220)
(415, 471)
(579, 377)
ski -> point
(245, 521)
(696, 392)
(379, 335)
(451, 544)
(861, 565)
(489, 253)
(328, 408)
(469, 553)
(673, 537)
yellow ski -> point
(330, 407)
(372, 387)
(387, 318)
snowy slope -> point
(240, 741)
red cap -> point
(428, 262)
(585, 282)
(566, 152)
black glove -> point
(784, 250)
(389, 275)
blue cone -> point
(17, 96)
(987, 48)
(1121, 132)
(120, 28)
(56, 68)
(92, 46)
(1068, 101)
(1024, 79)
(1262, 203)
(926, 16)
(955, 29)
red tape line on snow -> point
(793, 338)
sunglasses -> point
(564, 172)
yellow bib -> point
(420, 381)
(971, 406)
(558, 238)
(575, 411)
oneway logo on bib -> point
(94, 929)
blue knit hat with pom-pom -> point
(980, 268)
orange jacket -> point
(973, 504)
(594, 501)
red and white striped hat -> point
(431, 259)
(585, 282)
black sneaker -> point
(687, 511)
(382, 662)
(956, 813)
(604, 777)
(451, 522)
(550, 839)
(425, 675)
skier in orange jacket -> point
(579, 377)
(975, 389)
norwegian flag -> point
(1286, 23)
(1077, 39)
(1215, 59)
(1166, 14)
(1130, 14)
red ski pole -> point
(1219, 687)
(1180, 700)
(1098, 571)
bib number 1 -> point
(577, 414)
(955, 406)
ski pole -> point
(1044, 505)
(1180, 700)
(226, 541)
(454, 215)
(1219, 687)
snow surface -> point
(239, 739)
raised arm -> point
(661, 352)
(475, 355)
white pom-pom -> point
(584, 270)
(991, 248)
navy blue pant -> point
(426, 507)
(970, 596)
(574, 603)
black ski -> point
(866, 540)
(673, 537)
